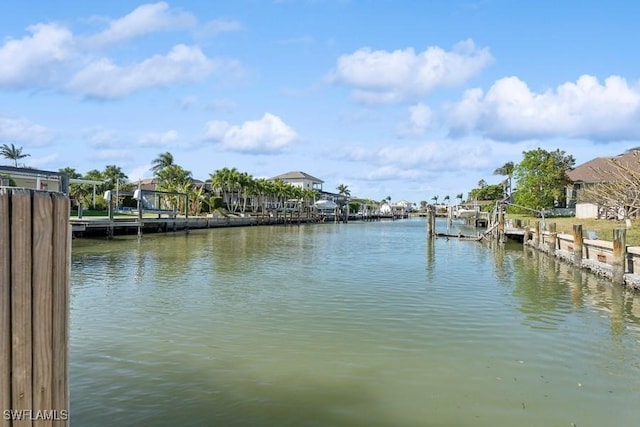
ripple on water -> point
(343, 325)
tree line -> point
(226, 188)
(541, 179)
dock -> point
(103, 226)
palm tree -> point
(460, 197)
(506, 170)
(13, 153)
(175, 179)
(261, 189)
(162, 161)
(343, 190)
(246, 185)
(435, 198)
(226, 181)
(112, 173)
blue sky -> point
(408, 99)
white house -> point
(300, 179)
(403, 205)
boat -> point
(465, 213)
(325, 205)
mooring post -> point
(553, 237)
(553, 242)
(5, 303)
(110, 214)
(35, 253)
(619, 254)
(527, 235)
(501, 235)
(186, 215)
(538, 231)
(433, 222)
(139, 216)
(429, 223)
(577, 244)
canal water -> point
(359, 324)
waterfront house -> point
(403, 206)
(34, 179)
(300, 179)
(603, 170)
(309, 182)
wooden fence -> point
(35, 253)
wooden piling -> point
(42, 288)
(538, 232)
(501, 235)
(21, 338)
(553, 242)
(5, 306)
(35, 249)
(577, 244)
(430, 222)
(619, 254)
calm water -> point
(359, 324)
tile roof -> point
(600, 168)
(298, 175)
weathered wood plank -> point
(5, 305)
(619, 254)
(60, 296)
(577, 244)
(21, 320)
(42, 229)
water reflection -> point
(345, 324)
(546, 285)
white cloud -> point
(34, 60)
(51, 57)
(420, 117)
(392, 173)
(145, 19)
(584, 109)
(104, 79)
(427, 157)
(382, 76)
(216, 130)
(158, 139)
(22, 131)
(267, 135)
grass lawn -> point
(603, 227)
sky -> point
(407, 99)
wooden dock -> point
(103, 226)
